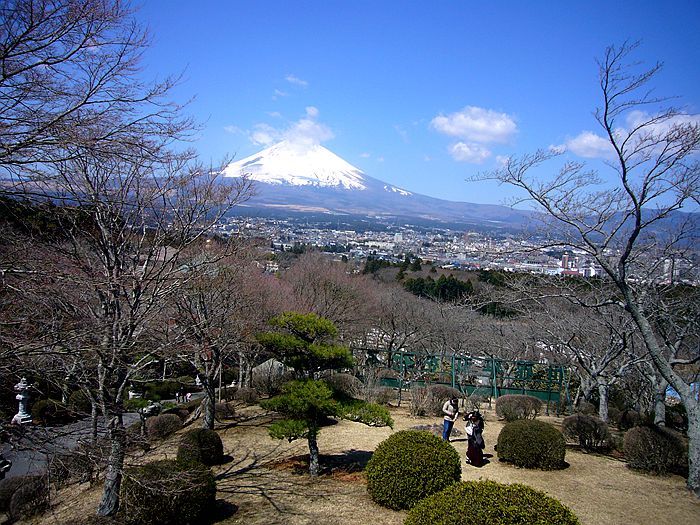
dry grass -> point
(266, 485)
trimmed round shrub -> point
(225, 410)
(201, 445)
(160, 427)
(591, 432)
(654, 449)
(31, 497)
(489, 503)
(516, 406)
(248, 395)
(532, 444)
(585, 407)
(345, 385)
(410, 465)
(167, 493)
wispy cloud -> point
(402, 133)
(365, 155)
(476, 128)
(278, 93)
(232, 129)
(295, 80)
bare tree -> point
(629, 224)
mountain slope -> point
(310, 178)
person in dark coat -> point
(475, 438)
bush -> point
(591, 432)
(79, 402)
(628, 419)
(167, 493)
(381, 395)
(677, 417)
(584, 407)
(421, 401)
(408, 466)
(614, 415)
(78, 465)
(654, 449)
(439, 394)
(248, 395)
(225, 410)
(8, 487)
(30, 496)
(201, 445)
(160, 427)
(532, 444)
(345, 385)
(489, 503)
(516, 406)
(51, 412)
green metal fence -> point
(487, 376)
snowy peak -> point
(299, 164)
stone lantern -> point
(22, 417)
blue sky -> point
(421, 94)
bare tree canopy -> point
(627, 220)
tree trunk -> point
(109, 505)
(660, 386)
(603, 390)
(693, 482)
(209, 403)
(93, 420)
(313, 454)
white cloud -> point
(365, 155)
(469, 152)
(264, 135)
(427, 158)
(589, 145)
(380, 159)
(402, 133)
(474, 124)
(637, 118)
(306, 131)
(502, 160)
(275, 114)
(232, 129)
(293, 79)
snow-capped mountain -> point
(303, 178)
(302, 165)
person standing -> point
(475, 438)
(450, 410)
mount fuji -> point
(298, 179)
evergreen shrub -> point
(160, 427)
(517, 406)
(614, 416)
(591, 432)
(489, 503)
(532, 444)
(410, 465)
(677, 417)
(167, 493)
(201, 445)
(654, 449)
